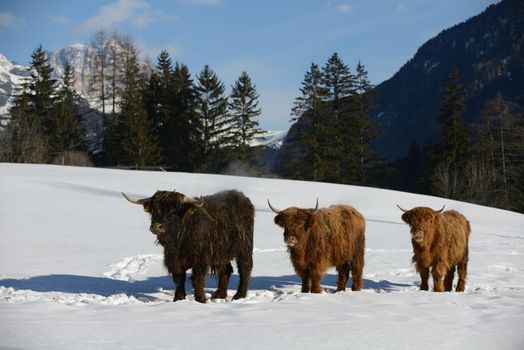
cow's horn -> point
(440, 211)
(404, 210)
(137, 201)
(316, 207)
(197, 202)
(276, 211)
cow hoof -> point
(201, 300)
(238, 296)
(219, 295)
(179, 297)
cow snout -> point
(418, 236)
(290, 241)
(157, 228)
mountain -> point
(488, 52)
(11, 76)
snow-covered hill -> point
(79, 270)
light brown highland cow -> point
(318, 239)
(440, 241)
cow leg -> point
(180, 281)
(198, 279)
(448, 280)
(343, 276)
(245, 265)
(438, 273)
(224, 273)
(316, 277)
(356, 272)
(424, 278)
(462, 271)
(306, 281)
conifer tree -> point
(309, 111)
(186, 152)
(339, 86)
(212, 111)
(32, 114)
(134, 129)
(338, 81)
(451, 154)
(159, 103)
(244, 110)
(23, 141)
(67, 132)
(42, 89)
(366, 129)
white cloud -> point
(10, 21)
(136, 12)
(344, 8)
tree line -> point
(161, 116)
(148, 116)
(332, 135)
(481, 162)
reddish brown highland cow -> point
(318, 239)
(440, 241)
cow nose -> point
(157, 228)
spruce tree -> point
(451, 154)
(339, 85)
(134, 128)
(244, 110)
(366, 129)
(187, 149)
(42, 89)
(338, 81)
(23, 141)
(67, 132)
(159, 103)
(214, 119)
(309, 112)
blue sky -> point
(274, 41)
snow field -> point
(79, 269)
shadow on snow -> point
(106, 287)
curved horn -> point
(276, 211)
(316, 207)
(404, 210)
(137, 201)
(197, 202)
(440, 211)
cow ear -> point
(311, 221)
(406, 217)
(185, 212)
(147, 206)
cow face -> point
(422, 223)
(167, 207)
(295, 222)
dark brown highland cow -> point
(440, 241)
(203, 234)
(318, 239)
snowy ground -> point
(79, 270)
